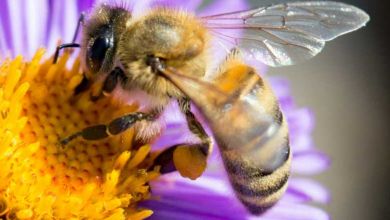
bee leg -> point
(189, 159)
(102, 131)
(195, 126)
(84, 85)
(116, 75)
(109, 84)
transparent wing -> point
(286, 34)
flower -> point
(40, 180)
(99, 180)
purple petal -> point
(85, 5)
(16, 11)
(217, 185)
(221, 6)
(301, 120)
(312, 189)
(54, 23)
(286, 103)
(309, 162)
(290, 211)
(5, 25)
(302, 142)
(140, 7)
(195, 201)
(3, 44)
(282, 91)
(36, 12)
(295, 196)
(190, 5)
(281, 86)
(175, 133)
(63, 22)
(176, 130)
(69, 20)
(163, 214)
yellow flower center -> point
(83, 180)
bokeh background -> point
(347, 86)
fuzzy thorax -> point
(177, 38)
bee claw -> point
(63, 142)
(60, 145)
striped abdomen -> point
(258, 164)
(249, 128)
(258, 185)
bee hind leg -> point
(116, 126)
(189, 160)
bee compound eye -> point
(97, 51)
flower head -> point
(107, 179)
(40, 179)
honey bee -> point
(164, 56)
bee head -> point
(100, 37)
(174, 37)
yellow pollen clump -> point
(85, 179)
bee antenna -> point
(79, 22)
(62, 46)
(73, 44)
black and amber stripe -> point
(259, 169)
(258, 191)
(257, 188)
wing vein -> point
(287, 33)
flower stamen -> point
(86, 179)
